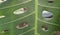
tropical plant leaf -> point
(10, 21)
(34, 17)
(46, 26)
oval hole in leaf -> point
(50, 1)
(47, 15)
(22, 25)
(20, 11)
(1, 1)
(2, 16)
(45, 28)
(57, 33)
(5, 31)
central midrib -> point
(36, 16)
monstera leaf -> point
(29, 17)
(17, 17)
(48, 20)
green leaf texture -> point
(38, 23)
(53, 24)
(10, 21)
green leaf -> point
(46, 26)
(30, 17)
(11, 20)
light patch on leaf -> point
(45, 28)
(1, 1)
(2, 16)
(20, 11)
(47, 15)
(22, 25)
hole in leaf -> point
(50, 1)
(1, 1)
(47, 15)
(22, 25)
(20, 11)
(57, 33)
(45, 28)
(2, 16)
(5, 31)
